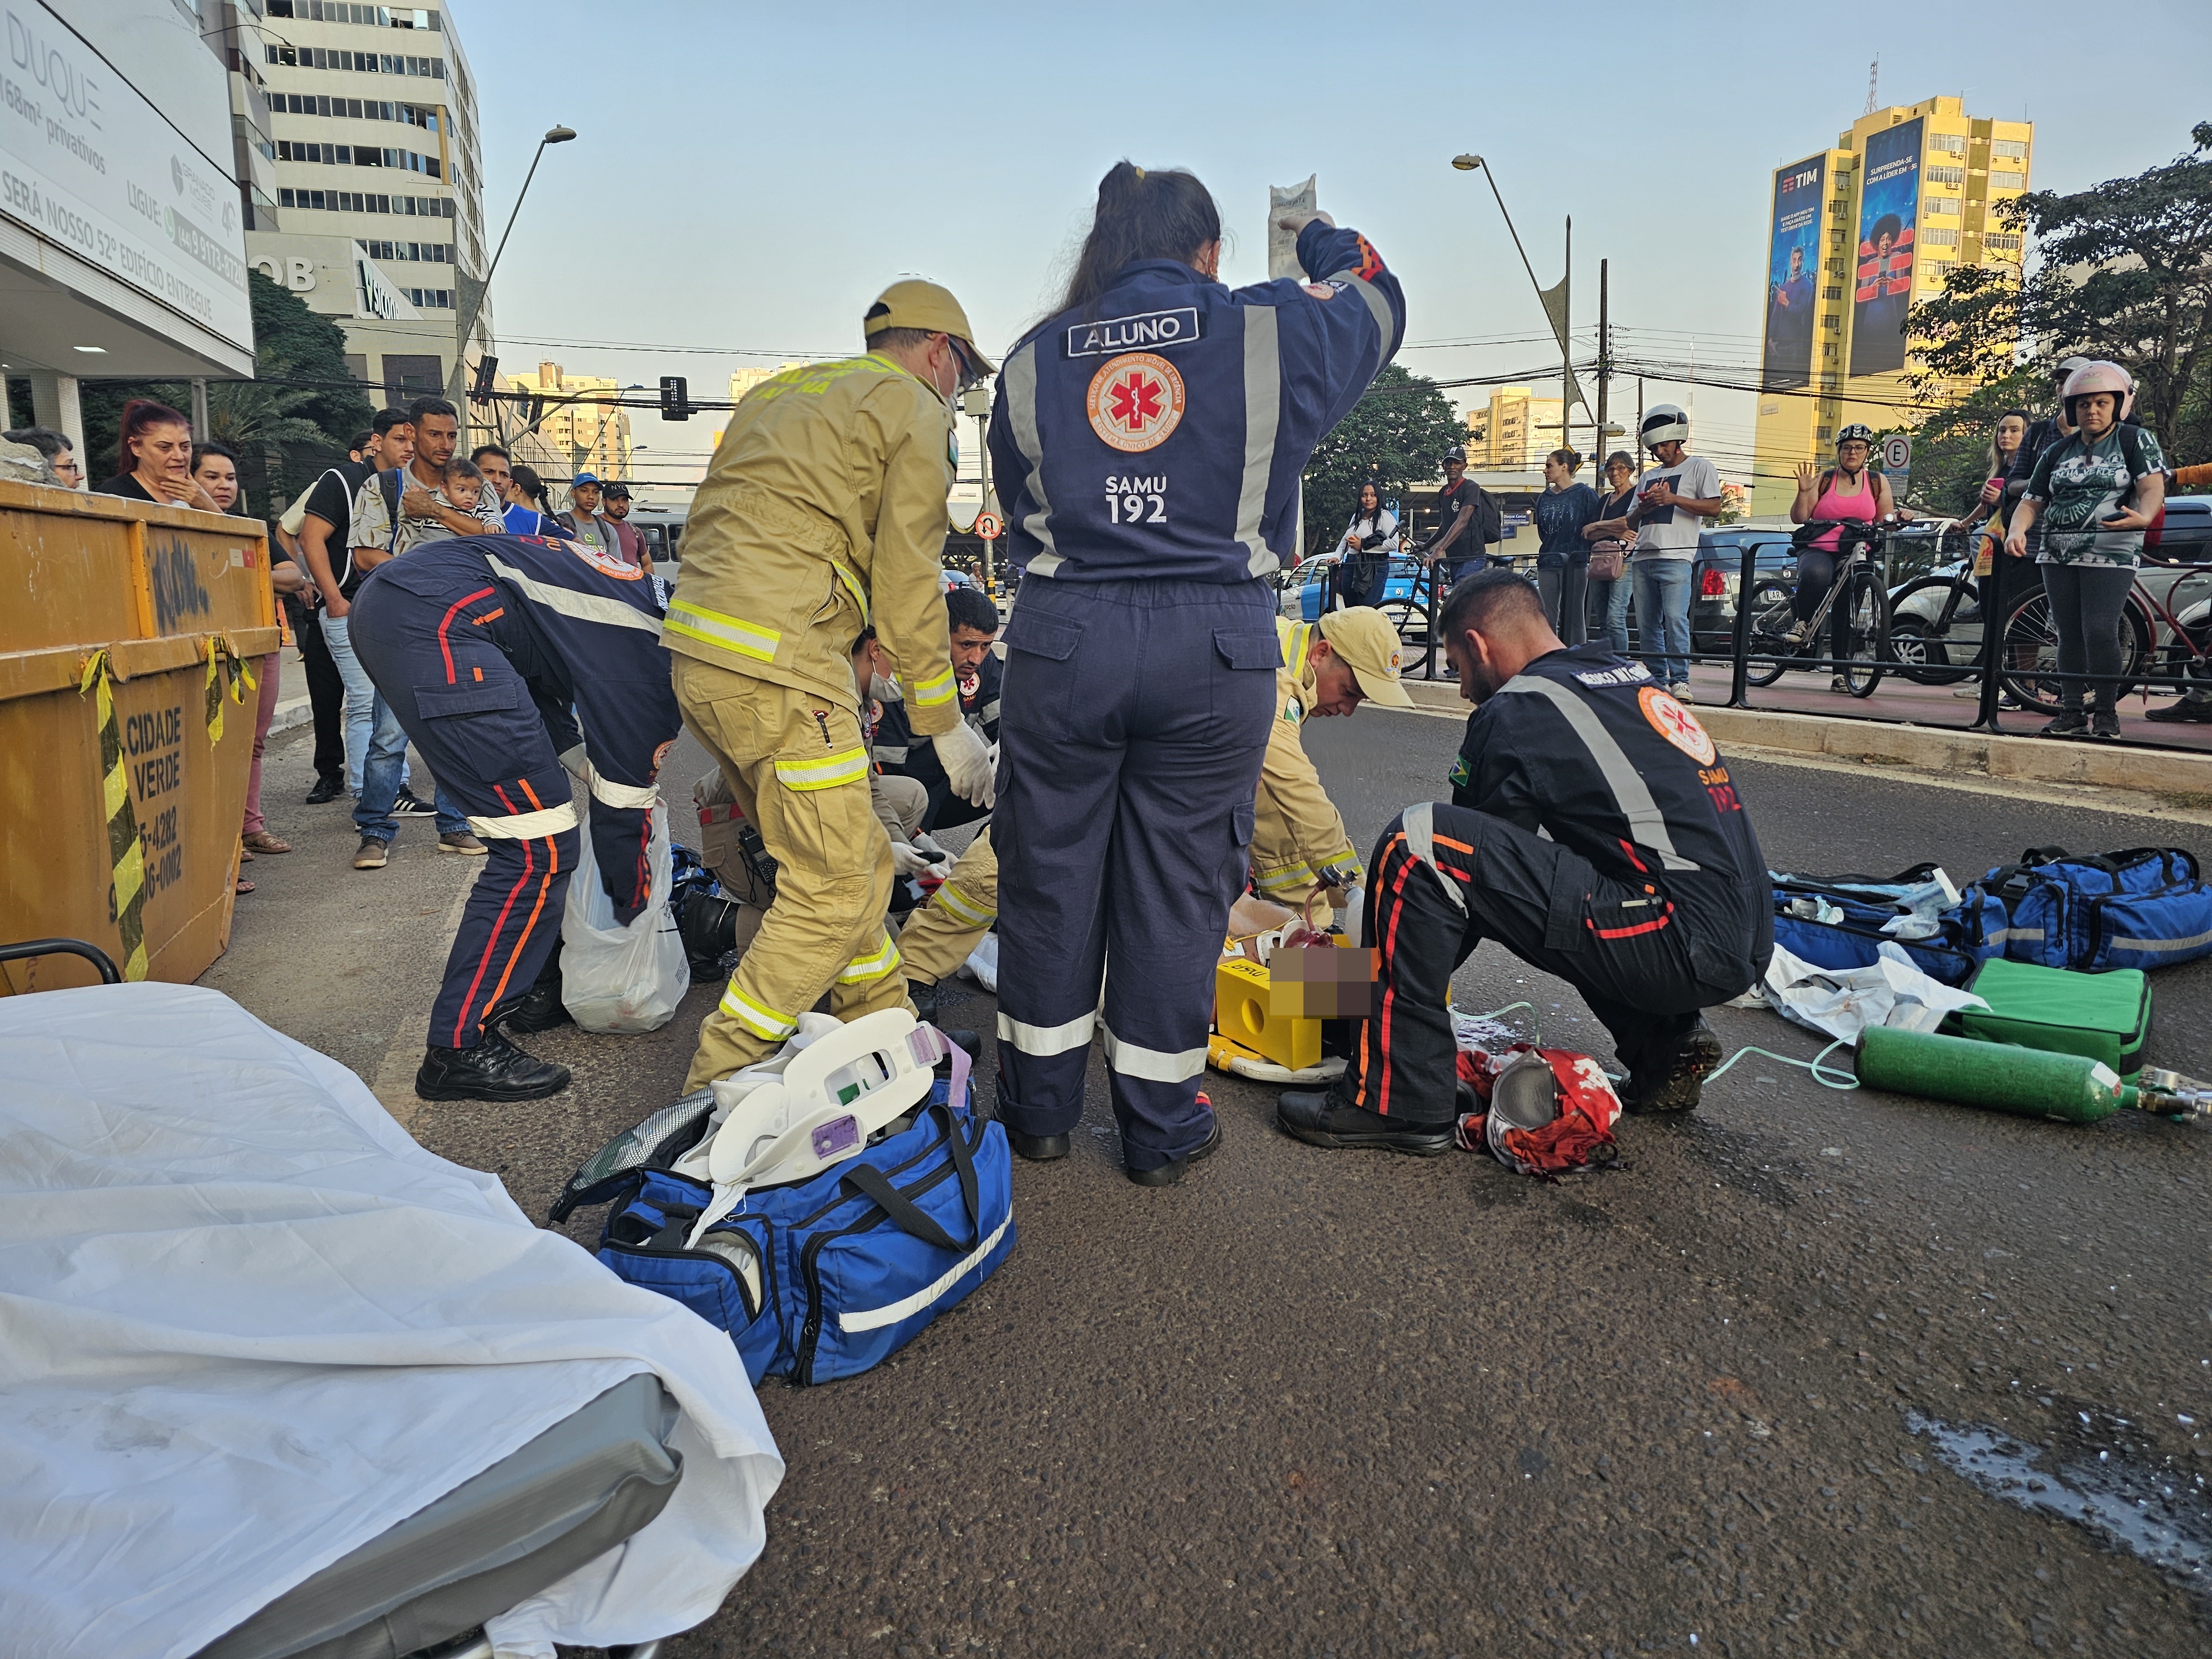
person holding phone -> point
(2094, 493)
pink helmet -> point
(2098, 375)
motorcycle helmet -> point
(1664, 423)
(2095, 376)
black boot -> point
(325, 789)
(2071, 723)
(1676, 1084)
(1172, 1171)
(1038, 1149)
(493, 1070)
(923, 995)
(538, 1009)
(1320, 1118)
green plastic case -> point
(2104, 1016)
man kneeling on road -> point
(1650, 897)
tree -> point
(2124, 270)
(287, 423)
(1951, 448)
(1395, 435)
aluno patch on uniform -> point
(1677, 725)
(1460, 772)
(1156, 330)
(1135, 401)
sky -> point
(747, 177)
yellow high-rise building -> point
(582, 423)
(1859, 233)
(743, 381)
(1519, 430)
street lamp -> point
(554, 136)
(1568, 389)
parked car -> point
(1300, 587)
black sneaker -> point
(923, 995)
(2071, 724)
(1677, 1089)
(325, 789)
(1320, 1119)
(408, 804)
(493, 1070)
(2105, 723)
(2185, 709)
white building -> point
(122, 236)
(377, 216)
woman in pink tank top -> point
(1850, 492)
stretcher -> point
(288, 1385)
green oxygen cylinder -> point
(2028, 1082)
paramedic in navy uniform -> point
(1148, 440)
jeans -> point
(361, 702)
(1611, 599)
(384, 745)
(2086, 602)
(1565, 589)
(1663, 616)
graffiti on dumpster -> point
(154, 749)
(177, 593)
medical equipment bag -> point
(2104, 1016)
(1837, 921)
(2143, 907)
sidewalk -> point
(293, 707)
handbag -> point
(1606, 561)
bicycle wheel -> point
(2030, 633)
(1923, 653)
(1771, 620)
(1862, 616)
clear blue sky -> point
(749, 176)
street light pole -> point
(554, 136)
(1471, 163)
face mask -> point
(882, 690)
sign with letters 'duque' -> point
(88, 164)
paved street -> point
(1348, 1403)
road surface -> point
(1754, 1394)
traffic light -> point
(487, 374)
(675, 398)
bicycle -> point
(2161, 643)
(1856, 600)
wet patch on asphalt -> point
(2100, 1472)
(1751, 1164)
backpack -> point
(1489, 517)
(2143, 907)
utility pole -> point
(1604, 369)
(1566, 356)
(977, 403)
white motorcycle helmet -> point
(2098, 375)
(1664, 423)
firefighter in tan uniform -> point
(1328, 668)
(945, 933)
(823, 513)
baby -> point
(464, 485)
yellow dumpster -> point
(126, 727)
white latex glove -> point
(908, 861)
(967, 764)
(926, 844)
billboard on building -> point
(1793, 264)
(1889, 215)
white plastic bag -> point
(615, 978)
(1842, 1002)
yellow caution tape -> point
(226, 670)
(127, 894)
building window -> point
(1940, 175)
(2008, 180)
(2002, 240)
(1831, 321)
(1933, 271)
(1824, 432)
(2015, 148)
(430, 299)
(1951, 143)
(1938, 236)
(1943, 205)
(1834, 291)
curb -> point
(291, 713)
(1927, 749)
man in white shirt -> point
(377, 533)
(1674, 499)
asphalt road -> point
(1728, 1398)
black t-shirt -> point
(126, 485)
(331, 499)
(1450, 503)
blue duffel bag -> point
(2143, 907)
(824, 1278)
(1841, 922)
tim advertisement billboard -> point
(1889, 213)
(1793, 264)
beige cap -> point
(1363, 636)
(914, 303)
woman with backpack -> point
(1850, 492)
(2094, 493)
(1369, 541)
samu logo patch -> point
(1135, 401)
